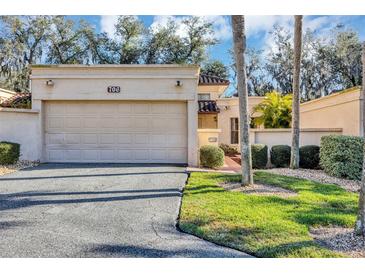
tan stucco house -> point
(149, 114)
(112, 114)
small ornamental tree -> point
(274, 111)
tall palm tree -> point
(239, 44)
(360, 223)
(294, 157)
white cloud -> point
(257, 24)
(163, 20)
(221, 25)
(107, 23)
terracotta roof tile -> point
(208, 106)
(205, 79)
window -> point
(234, 130)
(203, 96)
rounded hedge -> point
(9, 153)
(211, 156)
(342, 156)
(309, 157)
(280, 155)
(228, 150)
(259, 156)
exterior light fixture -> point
(50, 83)
(179, 83)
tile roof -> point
(208, 106)
(205, 79)
(18, 100)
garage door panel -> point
(72, 139)
(126, 132)
(54, 123)
(89, 139)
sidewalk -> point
(229, 166)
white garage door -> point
(116, 132)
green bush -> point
(342, 156)
(211, 156)
(9, 153)
(228, 150)
(280, 155)
(309, 157)
(259, 156)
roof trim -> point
(334, 94)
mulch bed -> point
(318, 176)
(341, 240)
(259, 189)
(5, 169)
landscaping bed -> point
(319, 176)
(5, 169)
(267, 225)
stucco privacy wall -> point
(137, 82)
(22, 127)
(283, 136)
(339, 110)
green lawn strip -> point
(265, 226)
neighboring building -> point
(218, 115)
(5, 94)
(338, 113)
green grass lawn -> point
(265, 226)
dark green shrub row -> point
(309, 157)
(9, 153)
(280, 155)
(228, 150)
(259, 156)
(211, 156)
(342, 156)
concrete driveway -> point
(59, 210)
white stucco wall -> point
(22, 127)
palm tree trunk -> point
(239, 44)
(294, 157)
(360, 223)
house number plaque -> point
(114, 89)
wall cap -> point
(19, 110)
(209, 130)
(301, 130)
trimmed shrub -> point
(259, 156)
(211, 156)
(228, 150)
(9, 153)
(280, 155)
(342, 156)
(309, 157)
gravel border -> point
(6, 169)
(259, 189)
(341, 240)
(317, 175)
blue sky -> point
(257, 27)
